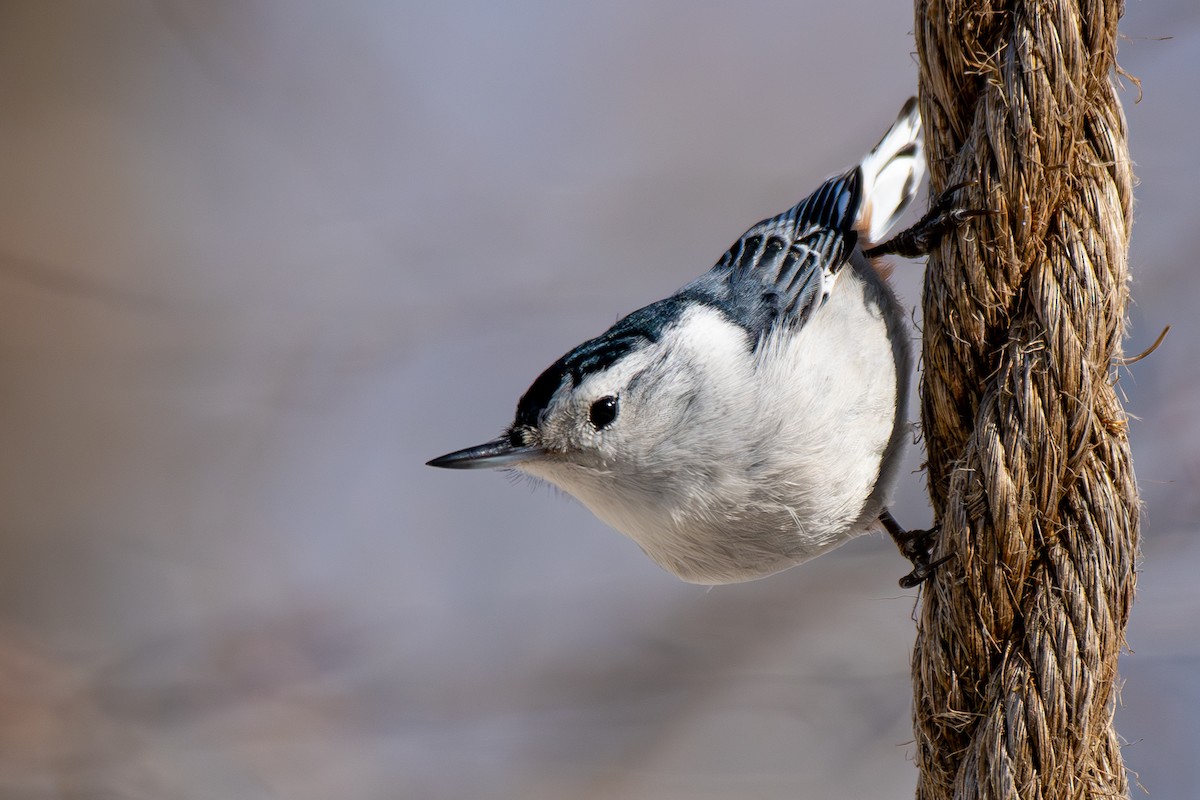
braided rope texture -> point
(1029, 469)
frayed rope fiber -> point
(1029, 470)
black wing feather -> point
(781, 270)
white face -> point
(593, 426)
(653, 425)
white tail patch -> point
(891, 173)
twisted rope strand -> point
(1014, 667)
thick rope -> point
(1030, 475)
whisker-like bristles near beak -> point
(490, 455)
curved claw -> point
(917, 546)
(943, 216)
(922, 573)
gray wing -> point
(782, 269)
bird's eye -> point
(603, 412)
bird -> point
(755, 418)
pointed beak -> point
(491, 455)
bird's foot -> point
(917, 547)
(943, 216)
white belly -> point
(831, 412)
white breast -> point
(814, 456)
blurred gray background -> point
(260, 260)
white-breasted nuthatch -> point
(755, 418)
